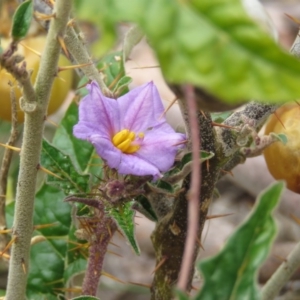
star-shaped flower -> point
(130, 133)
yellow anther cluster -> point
(123, 141)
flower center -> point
(123, 141)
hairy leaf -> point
(124, 217)
(79, 151)
(66, 176)
(232, 274)
(22, 20)
(76, 267)
(49, 209)
(212, 44)
(143, 206)
(46, 269)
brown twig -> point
(194, 192)
(101, 236)
(7, 158)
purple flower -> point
(130, 133)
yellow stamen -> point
(123, 141)
(125, 145)
(131, 136)
(120, 137)
(132, 148)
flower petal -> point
(97, 114)
(106, 150)
(133, 165)
(141, 108)
(160, 146)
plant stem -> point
(273, 286)
(79, 52)
(6, 161)
(103, 231)
(132, 38)
(193, 193)
(169, 236)
(30, 155)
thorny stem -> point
(30, 155)
(193, 193)
(132, 38)
(281, 275)
(98, 230)
(104, 228)
(169, 236)
(6, 164)
(79, 52)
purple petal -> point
(140, 108)
(133, 165)
(107, 151)
(97, 114)
(160, 146)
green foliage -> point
(50, 209)
(112, 66)
(46, 269)
(212, 44)
(79, 151)
(181, 295)
(66, 176)
(86, 298)
(282, 137)
(123, 215)
(54, 261)
(22, 20)
(188, 157)
(143, 205)
(47, 259)
(220, 117)
(232, 273)
(76, 267)
(161, 184)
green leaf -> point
(112, 66)
(282, 137)
(9, 213)
(122, 86)
(49, 208)
(47, 258)
(75, 261)
(143, 206)
(232, 274)
(220, 116)
(67, 177)
(76, 267)
(22, 20)
(79, 151)
(124, 216)
(211, 44)
(46, 269)
(181, 295)
(163, 185)
(188, 157)
(40, 296)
